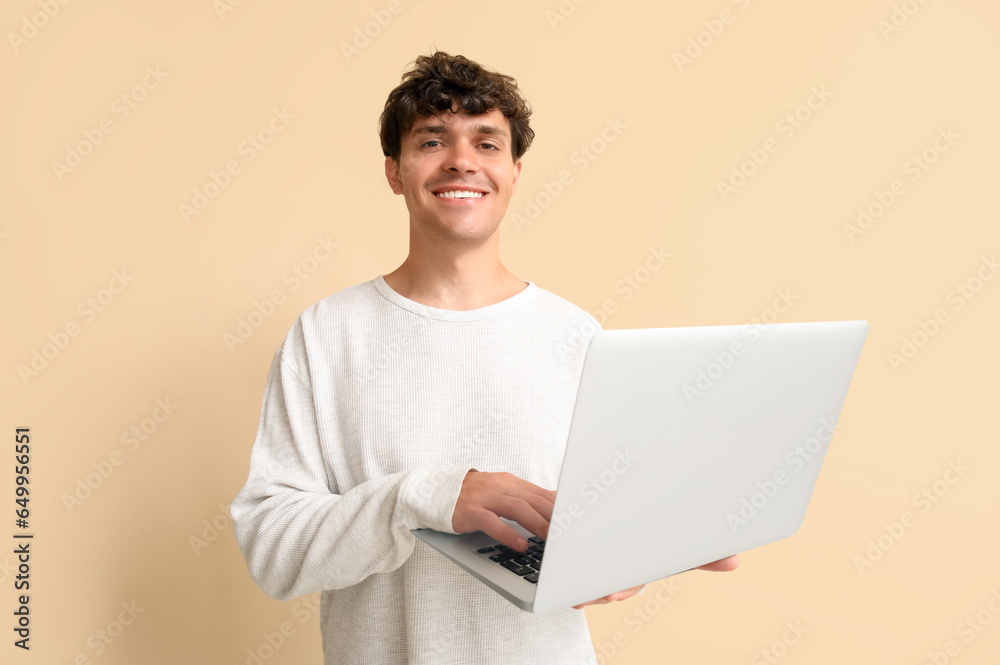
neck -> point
(446, 278)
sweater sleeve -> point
(297, 534)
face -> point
(461, 152)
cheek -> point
(504, 181)
(409, 169)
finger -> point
(519, 510)
(618, 595)
(622, 595)
(536, 489)
(601, 601)
(539, 498)
(722, 565)
(497, 529)
(543, 504)
(542, 500)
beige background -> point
(889, 91)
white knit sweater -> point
(375, 408)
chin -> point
(459, 228)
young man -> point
(436, 396)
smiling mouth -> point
(461, 195)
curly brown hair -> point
(438, 82)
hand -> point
(619, 595)
(486, 497)
(722, 565)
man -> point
(436, 396)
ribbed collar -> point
(454, 315)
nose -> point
(461, 157)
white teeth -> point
(460, 194)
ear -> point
(517, 173)
(392, 175)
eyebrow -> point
(478, 129)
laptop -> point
(686, 445)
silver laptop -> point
(686, 445)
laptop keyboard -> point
(526, 564)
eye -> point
(489, 145)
